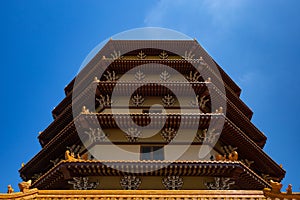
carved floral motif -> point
(96, 135)
(133, 134)
(83, 183)
(130, 182)
(137, 100)
(168, 100)
(172, 182)
(220, 183)
(168, 134)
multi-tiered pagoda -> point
(91, 122)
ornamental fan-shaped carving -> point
(168, 134)
(83, 183)
(220, 183)
(133, 134)
(137, 100)
(96, 135)
(173, 182)
(104, 101)
(141, 55)
(116, 55)
(207, 135)
(164, 76)
(130, 182)
(139, 75)
(193, 76)
(163, 55)
(168, 100)
(201, 102)
(188, 55)
(111, 76)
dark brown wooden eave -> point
(231, 135)
(244, 177)
(128, 45)
(183, 66)
(105, 87)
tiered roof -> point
(238, 130)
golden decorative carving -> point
(276, 187)
(9, 189)
(24, 186)
(70, 156)
(233, 156)
(275, 192)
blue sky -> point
(43, 44)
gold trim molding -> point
(136, 194)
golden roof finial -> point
(23, 164)
(9, 189)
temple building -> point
(151, 119)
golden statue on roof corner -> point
(9, 189)
(24, 186)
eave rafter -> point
(107, 88)
(230, 134)
(159, 168)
